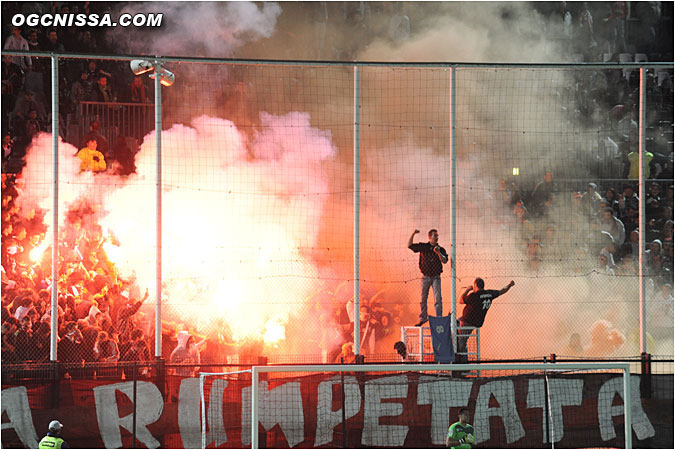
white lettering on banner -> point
(15, 405)
(375, 434)
(563, 392)
(442, 395)
(189, 423)
(149, 409)
(641, 425)
(326, 418)
(189, 413)
(505, 395)
(281, 405)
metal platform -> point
(418, 344)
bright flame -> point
(230, 298)
(113, 252)
(274, 331)
(36, 254)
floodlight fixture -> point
(166, 77)
(139, 66)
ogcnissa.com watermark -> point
(90, 20)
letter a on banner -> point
(441, 339)
(15, 405)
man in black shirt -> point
(432, 258)
(477, 304)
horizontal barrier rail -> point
(278, 62)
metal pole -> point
(435, 367)
(301, 62)
(357, 206)
(453, 209)
(203, 408)
(133, 426)
(641, 210)
(548, 415)
(344, 414)
(55, 210)
(627, 405)
(158, 147)
(254, 407)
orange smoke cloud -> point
(236, 214)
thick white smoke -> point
(213, 29)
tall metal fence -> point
(269, 212)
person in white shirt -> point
(17, 42)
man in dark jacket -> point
(432, 258)
(477, 300)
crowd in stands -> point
(598, 222)
(379, 317)
(585, 31)
(99, 317)
(97, 310)
(26, 81)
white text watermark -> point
(91, 20)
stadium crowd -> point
(26, 85)
(98, 310)
(97, 315)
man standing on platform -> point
(432, 258)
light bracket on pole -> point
(140, 66)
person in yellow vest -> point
(91, 159)
(53, 438)
(634, 168)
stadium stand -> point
(102, 325)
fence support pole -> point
(133, 427)
(158, 256)
(342, 397)
(641, 210)
(357, 206)
(254, 407)
(453, 209)
(627, 408)
(55, 209)
(646, 377)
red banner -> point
(357, 410)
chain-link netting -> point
(101, 124)
(27, 110)
(257, 210)
(547, 196)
